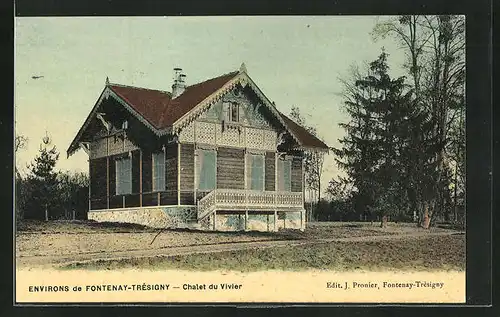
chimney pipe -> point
(179, 83)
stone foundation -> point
(256, 222)
(184, 217)
(157, 217)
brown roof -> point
(157, 106)
(306, 138)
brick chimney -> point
(179, 83)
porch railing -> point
(241, 199)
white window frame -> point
(154, 162)
(119, 184)
(229, 112)
(231, 117)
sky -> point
(295, 61)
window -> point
(206, 169)
(159, 171)
(124, 176)
(284, 175)
(256, 171)
(232, 112)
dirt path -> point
(60, 260)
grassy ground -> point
(410, 254)
(76, 226)
(39, 238)
(42, 242)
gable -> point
(258, 112)
(251, 111)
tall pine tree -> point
(382, 152)
(43, 182)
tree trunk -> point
(427, 220)
(383, 223)
(319, 189)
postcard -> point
(240, 159)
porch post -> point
(246, 220)
(302, 227)
(107, 171)
(215, 219)
(275, 220)
(179, 173)
(140, 178)
(90, 194)
(107, 181)
(276, 172)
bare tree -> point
(20, 142)
(435, 50)
(313, 160)
(413, 39)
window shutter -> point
(284, 175)
(211, 169)
(159, 171)
(225, 111)
(281, 186)
(199, 163)
(256, 172)
(162, 171)
(128, 175)
(118, 177)
(287, 177)
(248, 168)
(206, 165)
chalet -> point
(216, 155)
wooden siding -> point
(230, 175)
(99, 203)
(201, 194)
(187, 197)
(150, 199)
(270, 177)
(97, 172)
(230, 168)
(187, 168)
(112, 176)
(171, 169)
(117, 145)
(296, 174)
(135, 171)
(132, 200)
(147, 172)
(168, 197)
(99, 199)
(116, 201)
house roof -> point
(307, 140)
(158, 108)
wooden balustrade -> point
(247, 200)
